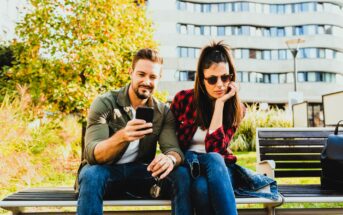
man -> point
(120, 150)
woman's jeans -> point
(117, 181)
(211, 186)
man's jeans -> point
(116, 181)
(211, 186)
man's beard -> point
(142, 95)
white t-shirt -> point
(198, 141)
(131, 152)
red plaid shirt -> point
(185, 115)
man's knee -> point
(181, 176)
(93, 175)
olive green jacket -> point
(111, 111)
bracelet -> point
(172, 158)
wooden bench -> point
(294, 153)
(289, 152)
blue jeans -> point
(211, 189)
(117, 181)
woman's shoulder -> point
(185, 93)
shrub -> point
(245, 137)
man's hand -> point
(161, 166)
(132, 130)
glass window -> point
(207, 30)
(245, 53)
(190, 7)
(282, 54)
(329, 54)
(321, 53)
(273, 8)
(184, 52)
(266, 55)
(181, 5)
(266, 32)
(266, 8)
(228, 30)
(214, 30)
(178, 28)
(221, 7)
(312, 6)
(228, 7)
(183, 29)
(328, 29)
(197, 52)
(245, 6)
(266, 78)
(258, 31)
(274, 78)
(221, 31)
(252, 53)
(289, 77)
(197, 30)
(206, 8)
(186, 75)
(239, 76)
(258, 54)
(311, 29)
(214, 8)
(273, 31)
(311, 76)
(252, 30)
(274, 54)
(320, 29)
(238, 30)
(238, 53)
(252, 7)
(320, 6)
(197, 8)
(288, 8)
(305, 7)
(190, 29)
(245, 77)
(237, 6)
(312, 52)
(302, 76)
(282, 78)
(288, 31)
(245, 30)
(297, 8)
(280, 9)
(258, 8)
(191, 52)
(280, 32)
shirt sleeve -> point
(97, 128)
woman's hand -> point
(233, 88)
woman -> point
(206, 120)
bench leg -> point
(14, 210)
(270, 209)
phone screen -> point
(146, 113)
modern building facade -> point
(257, 31)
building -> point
(257, 31)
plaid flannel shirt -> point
(185, 115)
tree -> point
(71, 50)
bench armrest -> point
(266, 167)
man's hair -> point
(214, 53)
(147, 54)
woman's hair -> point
(216, 52)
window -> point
(228, 30)
(282, 78)
(190, 7)
(245, 30)
(305, 7)
(221, 31)
(183, 29)
(221, 7)
(252, 53)
(238, 53)
(266, 78)
(207, 31)
(244, 6)
(206, 8)
(239, 76)
(181, 5)
(274, 54)
(197, 30)
(229, 7)
(274, 78)
(320, 29)
(273, 31)
(302, 76)
(280, 9)
(311, 76)
(245, 77)
(266, 55)
(282, 54)
(214, 30)
(329, 54)
(197, 8)
(191, 52)
(186, 75)
(245, 53)
(297, 8)
(288, 8)
(280, 32)
(190, 29)
(266, 32)
(183, 52)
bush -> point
(245, 137)
(33, 152)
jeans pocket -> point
(193, 164)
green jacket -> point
(110, 112)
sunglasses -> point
(213, 79)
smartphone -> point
(146, 113)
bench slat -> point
(279, 150)
(295, 134)
(297, 165)
(297, 173)
(290, 157)
(286, 142)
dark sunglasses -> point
(213, 79)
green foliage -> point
(71, 50)
(245, 137)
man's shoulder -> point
(107, 99)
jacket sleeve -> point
(97, 128)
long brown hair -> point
(216, 52)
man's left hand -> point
(161, 166)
